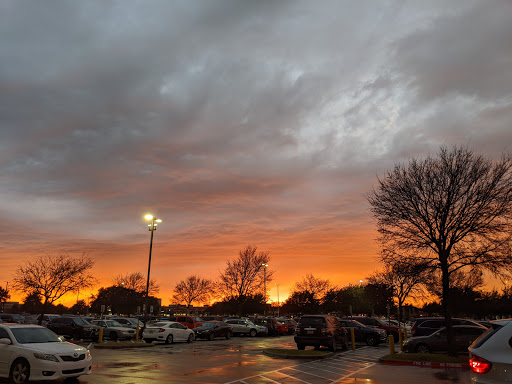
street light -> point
(265, 265)
(152, 228)
(277, 286)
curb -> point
(427, 364)
(282, 356)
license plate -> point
(310, 332)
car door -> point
(180, 332)
(5, 354)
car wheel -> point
(211, 336)
(76, 336)
(169, 339)
(301, 347)
(113, 336)
(332, 346)
(422, 348)
(20, 372)
(371, 340)
(253, 333)
(345, 344)
(190, 338)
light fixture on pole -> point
(277, 286)
(265, 265)
(152, 228)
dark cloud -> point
(237, 121)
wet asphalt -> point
(240, 360)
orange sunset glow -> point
(260, 124)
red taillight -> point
(479, 365)
(161, 330)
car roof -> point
(17, 325)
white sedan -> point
(167, 331)
(113, 330)
(32, 352)
(490, 356)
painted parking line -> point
(326, 371)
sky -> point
(236, 122)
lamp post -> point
(277, 286)
(152, 228)
(265, 265)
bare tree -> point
(52, 276)
(193, 289)
(404, 280)
(454, 212)
(137, 282)
(245, 275)
(313, 286)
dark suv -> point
(269, 322)
(320, 330)
(425, 326)
(373, 322)
(74, 327)
(370, 335)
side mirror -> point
(5, 341)
(62, 339)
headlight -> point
(88, 354)
(45, 356)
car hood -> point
(54, 348)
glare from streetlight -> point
(148, 217)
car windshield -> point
(208, 324)
(34, 335)
(80, 321)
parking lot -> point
(240, 361)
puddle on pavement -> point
(448, 376)
(124, 365)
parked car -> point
(370, 335)
(212, 329)
(246, 327)
(34, 319)
(436, 342)
(403, 326)
(32, 352)
(188, 321)
(74, 327)
(490, 356)
(129, 322)
(282, 328)
(425, 326)
(167, 331)
(269, 322)
(320, 330)
(114, 330)
(292, 324)
(12, 318)
(373, 322)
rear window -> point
(486, 336)
(312, 321)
